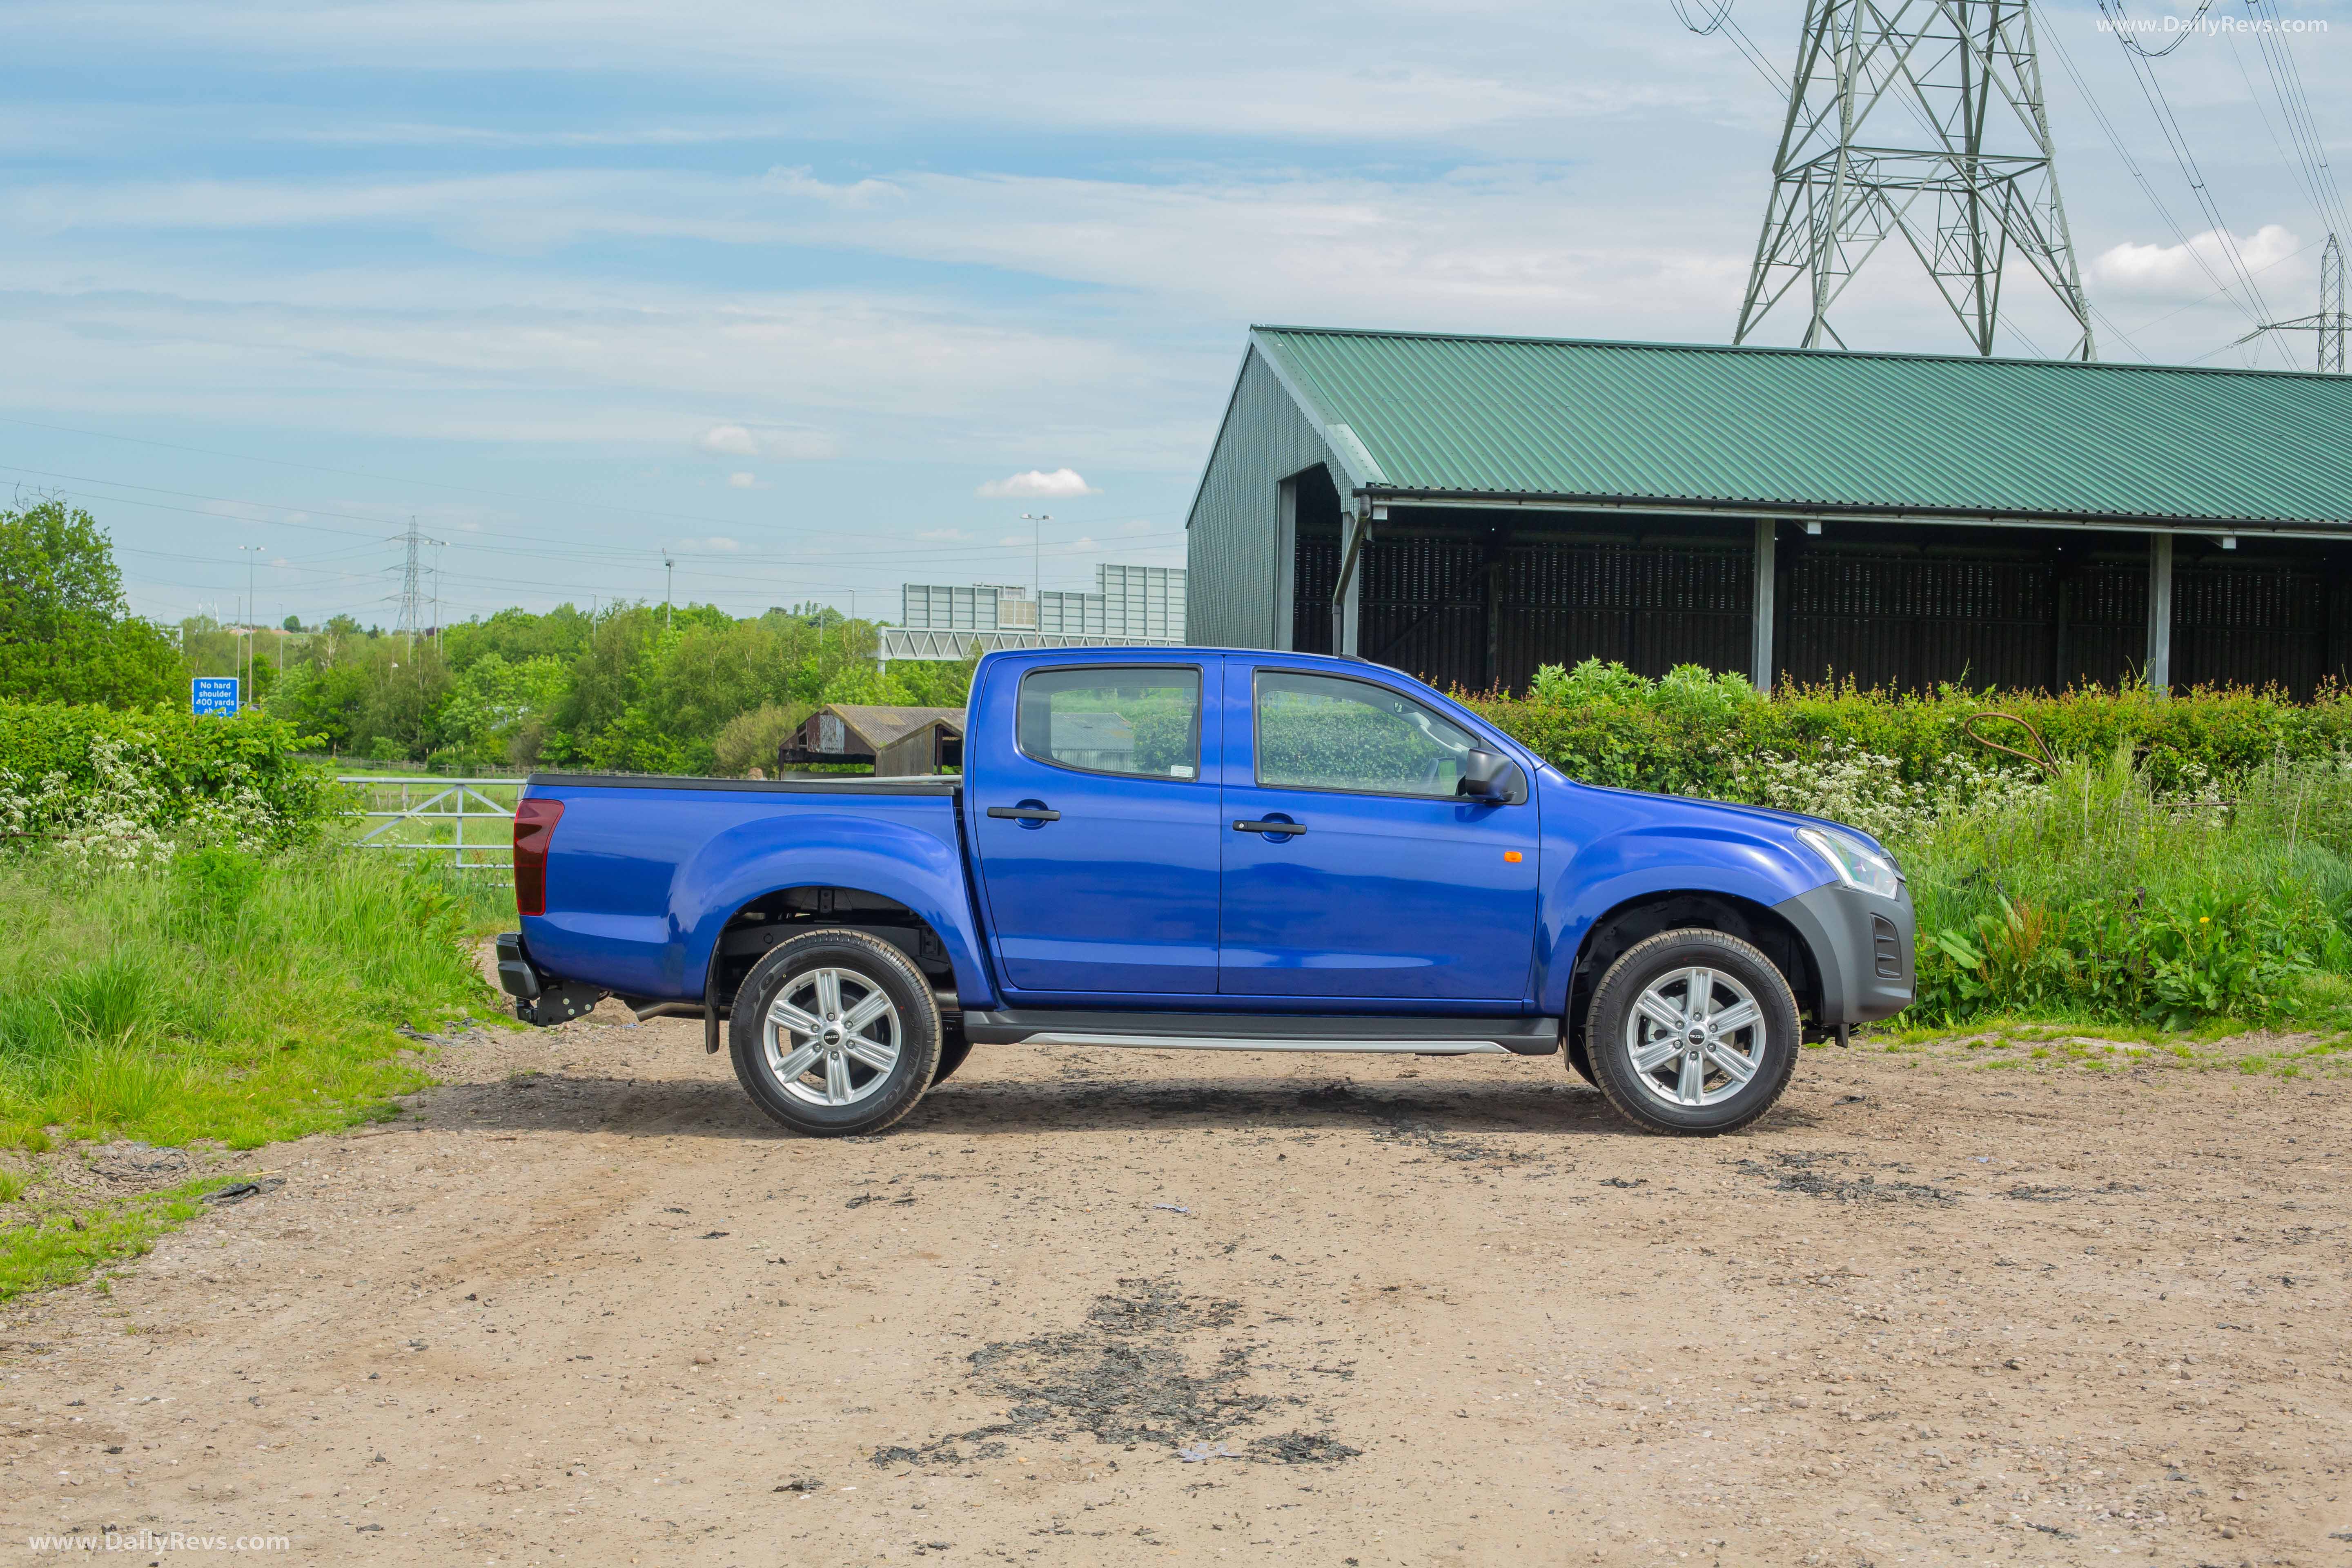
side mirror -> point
(1483, 773)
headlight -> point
(1857, 865)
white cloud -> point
(742, 481)
(2189, 271)
(1035, 485)
(716, 544)
(943, 535)
(729, 441)
(743, 441)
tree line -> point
(631, 687)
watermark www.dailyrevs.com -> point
(157, 1540)
(2205, 23)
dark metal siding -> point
(1428, 603)
(1647, 608)
(2252, 623)
(1908, 615)
(1315, 573)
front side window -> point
(1113, 719)
(1320, 731)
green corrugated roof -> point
(1795, 427)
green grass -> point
(64, 1249)
(2106, 902)
(230, 997)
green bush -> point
(1692, 732)
(121, 784)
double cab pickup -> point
(1211, 849)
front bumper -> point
(1863, 947)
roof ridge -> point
(1906, 355)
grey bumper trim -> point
(1835, 921)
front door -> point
(1097, 828)
(1393, 886)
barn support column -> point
(1761, 650)
(1282, 635)
(1355, 531)
(2157, 672)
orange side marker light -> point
(1513, 856)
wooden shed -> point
(896, 741)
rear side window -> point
(1113, 719)
(1319, 731)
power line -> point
(2177, 141)
(616, 553)
(2139, 176)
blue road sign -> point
(213, 694)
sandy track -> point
(1440, 1310)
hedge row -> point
(1688, 732)
(195, 760)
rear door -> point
(1392, 886)
(1093, 803)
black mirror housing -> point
(1483, 773)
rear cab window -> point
(1139, 720)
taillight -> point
(534, 830)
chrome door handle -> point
(1025, 813)
(1268, 827)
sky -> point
(821, 299)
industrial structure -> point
(1129, 604)
(1471, 508)
(1925, 124)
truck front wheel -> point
(1692, 1031)
(836, 1033)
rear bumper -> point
(540, 997)
(1863, 946)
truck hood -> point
(1787, 821)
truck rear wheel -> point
(836, 1033)
(1692, 1031)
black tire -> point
(953, 1048)
(862, 966)
(1642, 1096)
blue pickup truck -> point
(1214, 849)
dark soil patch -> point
(1302, 1449)
(1793, 1172)
(2026, 1194)
(1127, 1377)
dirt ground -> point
(583, 1305)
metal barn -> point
(1469, 508)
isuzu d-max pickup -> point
(1215, 849)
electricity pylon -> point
(1923, 119)
(2330, 323)
(412, 593)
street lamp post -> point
(1037, 521)
(249, 648)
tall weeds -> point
(2101, 895)
(220, 993)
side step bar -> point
(1446, 1036)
